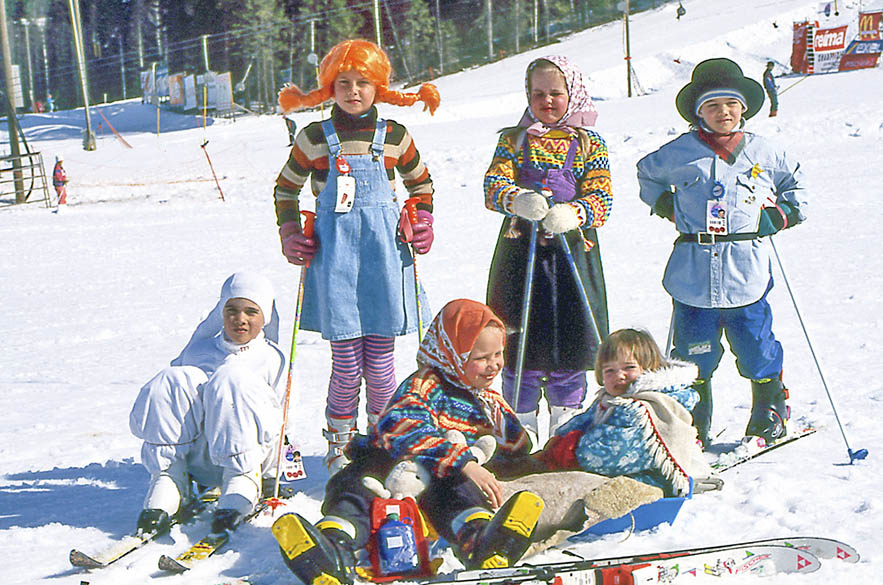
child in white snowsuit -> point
(360, 291)
(725, 190)
(639, 424)
(460, 356)
(552, 170)
(215, 413)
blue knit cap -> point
(721, 92)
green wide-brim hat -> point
(717, 74)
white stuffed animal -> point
(408, 478)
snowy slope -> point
(100, 296)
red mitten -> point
(559, 454)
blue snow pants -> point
(697, 338)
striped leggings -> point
(370, 357)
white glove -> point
(530, 205)
(561, 218)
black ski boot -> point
(225, 519)
(702, 410)
(153, 520)
(500, 541)
(316, 557)
(768, 410)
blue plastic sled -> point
(663, 510)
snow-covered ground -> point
(98, 297)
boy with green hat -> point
(725, 190)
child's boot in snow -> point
(168, 490)
(558, 415)
(529, 421)
(338, 434)
(702, 410)
(768, 409)
(317, 555)
(239, 494)
(486, 541)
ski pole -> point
(525, 313)
(411, 208)
(587, 307)
(308, 231)
(671, 333)
(853, 455)
(213, 170)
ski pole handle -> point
(411, 207)
(308, 228)
(309, 222)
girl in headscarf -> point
(553, 170)
(215, 413)
(460, 356)
(360, 289)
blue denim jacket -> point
(721, 274)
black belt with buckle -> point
(707, 239)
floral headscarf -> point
(580, 112)
(449, 339)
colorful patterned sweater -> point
(425, 406)
(309, 160)
(591, 170)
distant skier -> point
(291, 126)
(60, 180)
(772, 90)
(214, 414)
(725, 190)
(550, 169)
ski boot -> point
(768, 410)
(529, 421)
(169, 491)
(239, 494)
(487, 542)
(702, 411)
(339, 433)
(153, 520)
(317, 555)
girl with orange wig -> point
(359, 287)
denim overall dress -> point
(361, 280)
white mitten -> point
(562, 218)
(530, 205)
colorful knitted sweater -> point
(309, 160)
(426, 405)
(591, 169)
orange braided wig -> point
(369, 60)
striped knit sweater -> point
(425, 406)
(591, 170)
(309, 160)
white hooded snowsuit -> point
(218, 406)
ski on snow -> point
(768, 556)
(209, 544)
(752, 447)
(133, 542)
(760, 557)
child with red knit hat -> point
(359, 287)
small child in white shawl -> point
(215, 413)
(639, 424)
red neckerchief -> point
(726, 146)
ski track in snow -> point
(101, 295)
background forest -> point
(265, 43)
